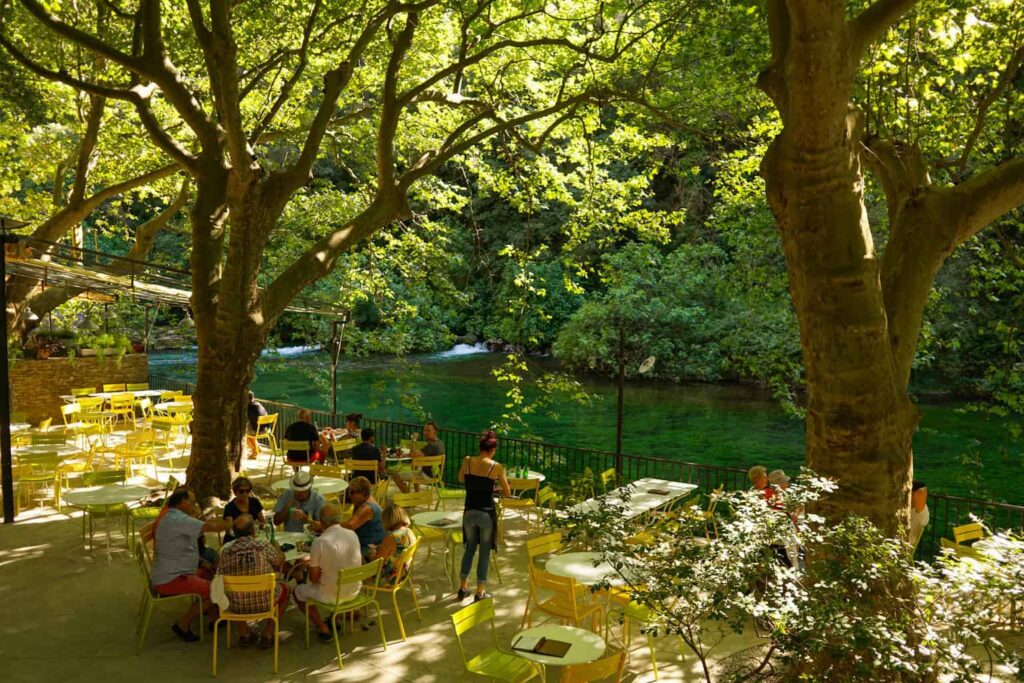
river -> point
(956, 451)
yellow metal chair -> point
(609, 667)
(92, 512)
(380, 491)
(113, 387)
(428, 535)
(266, 425)
(122, 406)
(360, 465)
(82, 391)
(608, 477)
(261, 583)
(55, 438)
(628, 612)
(434, 481)
(564, 603)
(333, 471)
(547, 504)
(708, 515)
(524, 497)
(39, 470)
(548, 544)
(369, 576)
(169, 395)
(137, 447)
(151, 598)
(286, 446)
(145, 409)
(965, 534)
(140, 386)
(404, 562)
(494, 663)
(960, 550)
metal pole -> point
(618, 414)
(5, 393)
(335, 345)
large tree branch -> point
(986, 197)
(79, 37)
(872, 23)
(285, 182)
(390, 109)
(86, 148)
(145, 236)
(899, 168)
(289, 84)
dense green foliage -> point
(646, 214)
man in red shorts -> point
(177, 556)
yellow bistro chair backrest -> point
(289, 445)
(335, 471)
(123, 401)
(113, 387)
(607, 477)
(543, 545)
(90, 404)
(49, 438)
(413, 499)
(260, 583)
(140, 386)
(368, 575)
(69, 410)
(966, 533)
(82, 391)
(610, 667)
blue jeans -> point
(479, 530)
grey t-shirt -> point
(311, 507)
(177, 553)
(435, 447)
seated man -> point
(251, 556)
(433, 446)
(299, 504)
(176, 550)
(367, 450)
(305, 430)
(334, 550)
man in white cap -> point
(299, 504)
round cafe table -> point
(586, 646)
(174, 407)
(62, 451)
(106, 496)
(325, 485)
(294, 537)
(580, 566)
(141, 393)
(431, 519)
(19, 427)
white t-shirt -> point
(918, 521)
(337, 548)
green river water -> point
(956, 452)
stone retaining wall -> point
(37, 385)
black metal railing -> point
(561, 463)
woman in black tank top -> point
(479, 519)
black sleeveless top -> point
(479, 490)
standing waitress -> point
(480, 521)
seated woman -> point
(366, 517)
(399, 537)
(243, 503)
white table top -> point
(293, 537)
(19, 427)
(141, 393)
(530, 474)
(173, 405)
(425, 518)
(325, 485)
(61, 450)
(580, 566)
(640, 501)
(108, 494)
(586, 645)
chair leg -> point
(380, 626)
(215, 625)
(277, 641)
(654, 661)
(415, 601)
(147, 612)
(398, 614)
(337, 644)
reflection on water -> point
(717, 424)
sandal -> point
(266, 642)
(248, 640)
(325, 637)
(187, 636)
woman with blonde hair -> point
(399, 537)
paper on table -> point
(446, 521)
(659, 492)
(527, 643)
